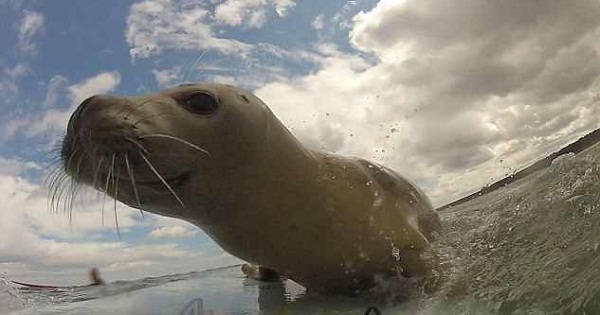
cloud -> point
(101, 83)
(36, 243)
(153, 26)
(52, 118)
(55, 87)
(168, 77)
(10, 79)
(251, 13)
(465, 86)
(283, 6)
(9, 82)
(16, 167)
(32, 25)
(56, 119)
(172, 231)
(319, 22)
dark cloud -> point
(434, 25)
(471, 83)
(572, 70)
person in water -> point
(95, 277)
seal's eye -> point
(200, 103)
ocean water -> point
(531, 247)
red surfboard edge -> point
(40, 286)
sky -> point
(452, 94)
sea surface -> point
(531, 247)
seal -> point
(216, 156)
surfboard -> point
(41, 286)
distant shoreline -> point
(581, 144)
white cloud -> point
(38, 244)
(319, 22)
(475, 91)
(9, 82)
(168, 77)
(55, 87)
(32, 24)
(172, 231)
(101, 83)
(157, 26)
(282, 7)
(252, 13)
(17, 72)
(153, 26)
(16, 167)
(240, 12)
(50, 118)
(56, 119)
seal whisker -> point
(74, 192)
(150, 116)
(61, 191)
(139, 145)
(192, 67)
(110, 168)
(54, 163)
(69, 160)
(66, 205)
(159, 135)
(136, 107)
(75, 185)
(132, 178)
(56, 196)
(116, 175)
(53, 174)
(52, 180)
(60, 179)
(161, 179)
(95, 179)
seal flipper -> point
(259, 273)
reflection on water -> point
(194, 307)
(220, 291)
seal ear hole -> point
(245, 98)
(200, 103)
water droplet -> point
(377, 202)
(396, 252)
(363, 255)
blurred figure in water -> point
(95, 277)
